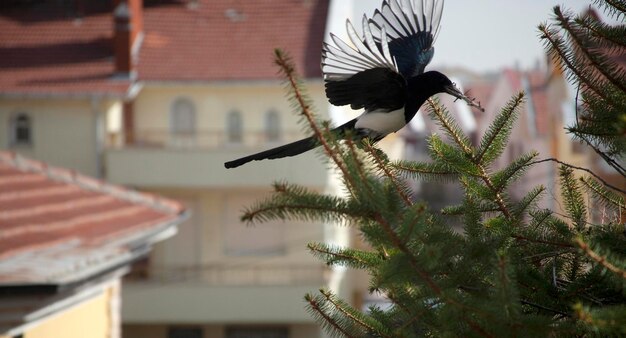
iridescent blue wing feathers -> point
(397, 40)
(411, 26)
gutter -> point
(138, 246)
(66, 95)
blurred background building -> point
(158, 94)
(66, 240)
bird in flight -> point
(382, 72)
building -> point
(66, 240)
(158, 96)
(533, 130)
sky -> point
(488, 35)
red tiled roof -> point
(43, 50)
(231, 40)
(514, 78)
(481, 91)
(54, 215)
(534, 83)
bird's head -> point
(442, 84)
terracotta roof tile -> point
(45, 51)
(42, 208)
(226, 39)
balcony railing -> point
(233, 275)
(158, 138)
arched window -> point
(272, 126)
(183, 122)
(235, 127)
(21, 129)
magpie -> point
(382, 72)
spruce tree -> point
(593, 54)
(514, 269)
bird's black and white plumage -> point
(381, 72)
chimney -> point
(128, 27)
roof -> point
(534, 84)
(231, 40)
(58, 227)
(46, 51)
(537, 82)
(51, 48)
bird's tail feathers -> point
(289, 149)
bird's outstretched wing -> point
(410, 28)
(363, 75)
(341, 61)
(396, 45)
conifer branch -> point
(449, 127)
(497, 194)
(618, 5)
(602, 260)
(383, 167)
(459, 140)
(500, 129)
(403, 165)
(539, 306)
(604, 34)
(315, 306)
(398, 301)
(572, 197)
(535, 240)
(609, 323)
(558, 48)
(578, 168)
(565, 23)
(251, 215)
(340, 256)
(606, 195)
(288, 70)
(476, 328)
(330, 298)
(358, 163)
(582, 135)
(402, 246)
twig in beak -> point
(454, 91)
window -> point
(272, 126)
(183, 122)
(261, 332)
(235, 127)
(184, 332)
(21, 132)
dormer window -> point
(21, 130)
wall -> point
(89, 319)
(214, 230)
(64, 131)
(213, 102)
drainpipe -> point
(100, 135)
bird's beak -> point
(454, 91)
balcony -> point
(160, 159)
(217, 294)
